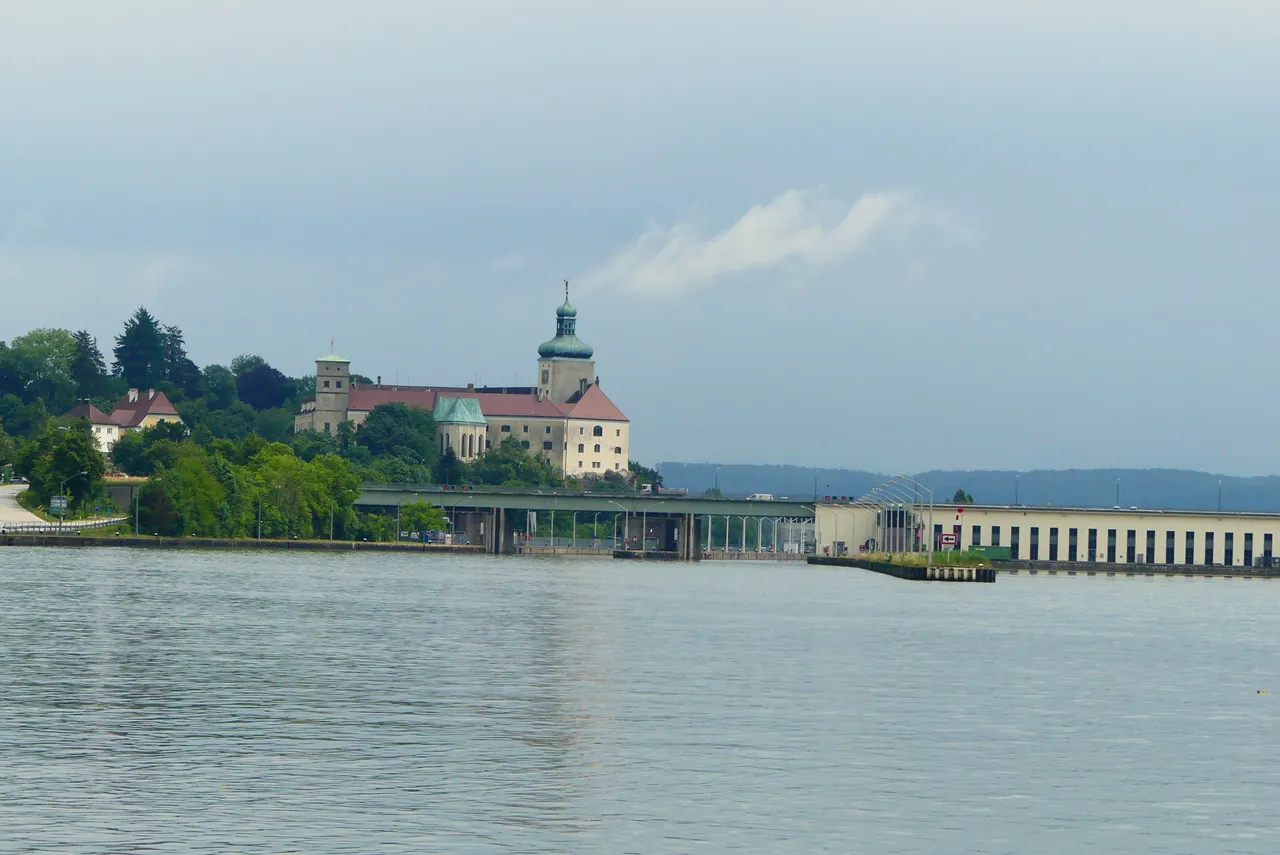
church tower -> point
(333, 390)
(565, 367)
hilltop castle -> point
(566, 419)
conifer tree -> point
(139, 351)
(88, 369)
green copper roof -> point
(333, 357)
(458, 411)
(566, 344)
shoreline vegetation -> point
(234, 466)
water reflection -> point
(248, 702)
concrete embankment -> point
(912, 572)
(1186, 571)
(231, 543)
(721, 555)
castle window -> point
(580, 431)
(619, 431)
(546, 375)
(597, 431)
(597, 448)
(548, 429)
(506, 428)
(617, 466)
(526, 428)
(487, 445)
(581, 448)
(546, 446)
(338, 383)
(595, 464)
(579, 464)
(326, 427)
(326, 384)
(617, 449)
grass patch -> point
(940, 559)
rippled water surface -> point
(219, 701)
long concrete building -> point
(1099, 535)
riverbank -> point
(63, 540)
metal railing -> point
(60, 528)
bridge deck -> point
(513, 498)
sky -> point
(887, 236)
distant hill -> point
(1170, 489)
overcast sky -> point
(892, 236)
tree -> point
(449, 469)
(87, 368)
(399, 430)
(178, 367)
(219, 384)
(140, 352)
(510, 464)
(246, 362)
(644, 475)
(422, 517)
(43, 358)
(263, 387)
(961, 497)
(66, 457)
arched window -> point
(597, 448)
(581, 448)
(597, 431)
(617, 449)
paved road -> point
(10, 510)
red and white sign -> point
(948, 540)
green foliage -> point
(219, 386)
(422, 516)
(643, 474)
(398, 430)
(140, 351)
(87, 368)
(246, 362)
(263, 387)
(449, 468)
(961, 497)
(42, 360)
(62, 455)
(178, 367)
(510, 464)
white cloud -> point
(801, 226)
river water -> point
(251, 702)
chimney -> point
(379, 381)
(582, 385)
(133, 396)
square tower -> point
(333, 390)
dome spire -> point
(566, 344)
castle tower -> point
(333, 390)
(565, 367)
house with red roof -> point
(567, 419)
(136, 410)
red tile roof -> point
(595, 404)
(149, 403)
(515, 403)
(86, 410)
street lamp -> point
(626, 526)
(398, 504)
(644, 524)
(930, 492)
(62, 518)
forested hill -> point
(1145, 488)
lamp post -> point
(62, 517)
(930, 492)
(644, 525)
(595, 530)
(398, 504)
(1015, 490)
(626, 526)
(136, 494)
(1219, 495)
